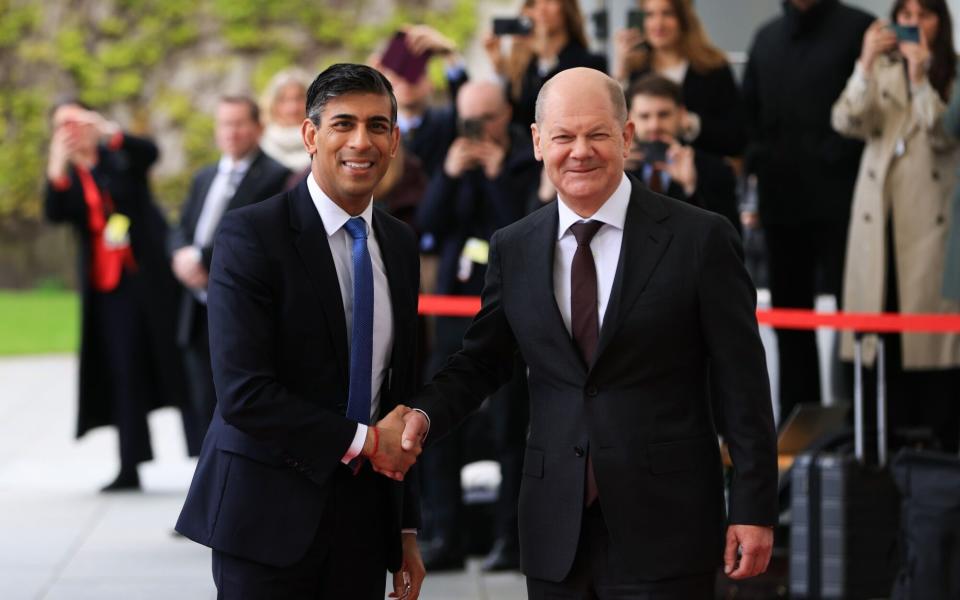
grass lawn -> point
(39, 322)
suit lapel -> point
(245, 190)
(196, 207)
(645, 240)
(314, 250)
(541, 249)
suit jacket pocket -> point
(237, 442)
(533, 463)
(682, 455)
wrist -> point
(372, 442)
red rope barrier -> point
(468, 306)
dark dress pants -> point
(120, 325)
(596, 575)
(203, 398)
(805, 259)
(346, 560)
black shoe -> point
(505, 556)
(440, 556)
(126, 481)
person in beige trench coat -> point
(900, 216)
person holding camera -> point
(549, 37)
(667, 166)
(895, 101)
(666, 37)
(487, 179)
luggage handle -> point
(859, 424)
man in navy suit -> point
(312, 303)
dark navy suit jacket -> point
(278, 343)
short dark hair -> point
(656, 86)
(249, 102)
(347, 78)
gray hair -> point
(617, 100)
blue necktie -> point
(361, 344)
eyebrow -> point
(349, 117)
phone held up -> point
(907, 33)
(516, 26)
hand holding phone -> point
(517, 26)
(906, 33)
(401, 60)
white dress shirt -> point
(605, 247)
(222, 189)
(341, 247)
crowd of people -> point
(849, 124)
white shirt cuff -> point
(427, 417)
(197, 253)
(413, 531)
(357, 446)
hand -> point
(188, 270)
(624, 42)
(462, 156)
(415, 430)
(755, 544)
(491, 45)
(423, 38)
(408, 579)
(878, 39)
(750, 219)
(59, 156)
(681, 167)
(918, 58)
(490, 157)
(547, 192)
(389, 458)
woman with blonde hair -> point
(674, 44)
(557, 42)
(283, 106)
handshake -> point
(395, 442)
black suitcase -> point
(859, 507)
(929, 483)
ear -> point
(309, 132)
(395, 143)
(629, 129)
(536, 142)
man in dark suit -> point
(243, 175)
(700, 178)
(621, 302)
(312, 306)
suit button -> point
(867, 218)
(935, 175)
(871, 174)
(578, 451)
(940, 220)
(592, 391)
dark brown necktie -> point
(584, 319)
(656, 181)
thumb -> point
(413, 431)
(730, 552)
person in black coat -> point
(799, 64)
(129, 364)
(489, 174)
(557, 42)
(243, 175)
(674, 44)
(657, 110)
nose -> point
(581, 148)
(360, 139)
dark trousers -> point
(121, 329)
(596, 575)
(196, 357)
(805, 259)
(346, 560)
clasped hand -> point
(383, 447)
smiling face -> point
(352, 147)
(655, 117)
(236, 130)
(580, 140)
(288, 105)
(661, 24)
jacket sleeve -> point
(65, 204)
(436, 212)
(739, 372)
(242, 308)
(141, 152)
(179, 237)
(929, 110)
(855, 113)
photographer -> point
(485, 184)
(663, 164)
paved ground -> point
(61, 540)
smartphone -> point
(653, 152)
(471, 128)
(517, 26)
(635, 19)
(907, 33)
(600, 28)
(399, 59)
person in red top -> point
(97, 182)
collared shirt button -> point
(592, 391)
(578, 451)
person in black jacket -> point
(698, 177)
(674, 44)
(129, 364)
(557, 42)
(487, 179)
(243, 175)
(799, 64)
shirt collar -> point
(333, 216)
(241, 165)
(613, 212)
